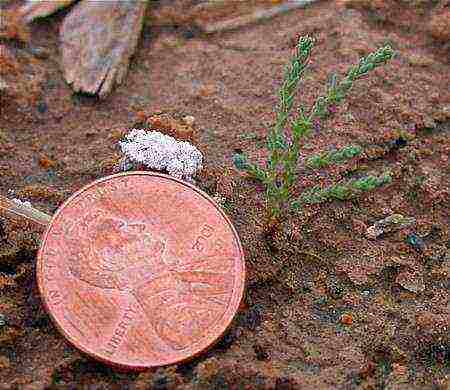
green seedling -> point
(279, 173)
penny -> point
(141, 270)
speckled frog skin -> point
(162, 153)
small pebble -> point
(188, 34)
(39, 52)
(2, 231)
(440, 353)
(399, 369)
(46, 163)
(415, 241)
(4, 362)
(160, 382)
(3, 85)
(347, 319)
(42, 107)
(399, 143)
(260, 352)
(189, 120)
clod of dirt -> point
(16, 253)
(347, 319)
(189, 120)
(4, 362)
(207, 369)
(40, 192)
(11, 27)
(180, 128)
(9, 335)
(3, 85)
(21, 80)
(411, 281)
(432, 323)
(98, 40)
(439, 25)
(261, 352)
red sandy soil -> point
(326, 307)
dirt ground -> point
(326, 307)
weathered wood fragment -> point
(97, 42)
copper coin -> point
(141, 270)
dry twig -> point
(258, 15)
(16, 209)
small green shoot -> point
(279, 174)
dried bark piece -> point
(174, 128)
(34, 9)
(98, 39)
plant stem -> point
(276, 142)
(337, 91)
